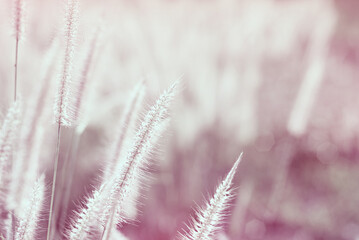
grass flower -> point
(8, 135)
(133, 167)
(19, 28)
(105, 207)
(26, 229)
(210, 218)
(63, 112)
(126, 125)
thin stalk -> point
(49, 226)
(69, 168)
(107, 231)
(16, 54)
(109, 222)
(61, 181)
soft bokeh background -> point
(277, 79)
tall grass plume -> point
(210, 218)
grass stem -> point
(67, 176)
(49, 226)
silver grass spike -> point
(127, 123)
(209, 218)
(26, 229)
(101, 207)
(63, 112)
(8, 134)
(131, 169)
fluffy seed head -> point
(19, 19)
(211, 216)
(7, 136)
(28, 222)
(87, 218)
(84, 78)
(133, 166)
(63, 110)
(127, 123)
(107, 203)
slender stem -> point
(16, 54)
(107, 231)
(68, 174)
(62, 178)
(54, 181)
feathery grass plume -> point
(86, 218)
(79, 98)
(85, 72)
(37, 106)
(24, 174)
(78, 109)
(132, 168)
(19, 29)
(26, 163)
(126, 125)
(209, 219)
(63, 111)
(102, 204)
(129, 205)
(125, 190)
(28, 223)
(8, 134)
